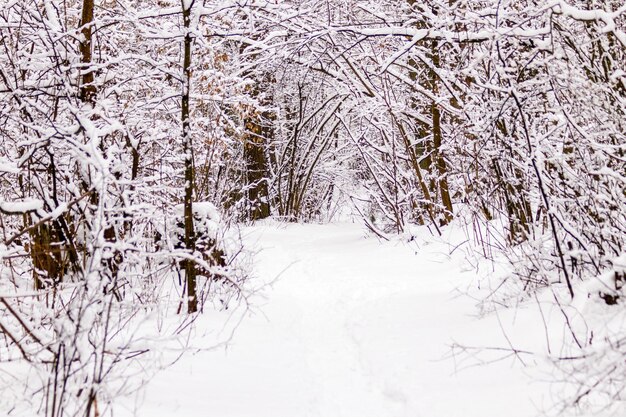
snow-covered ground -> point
(349, 327)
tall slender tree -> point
(190, 238)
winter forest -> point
(332, 208)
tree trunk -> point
(259, 131)
(440, 162)
(255, 139)
(190, 267)
(87, 88)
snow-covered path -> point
(353, 327)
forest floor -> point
(351, 326)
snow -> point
(8, 168)
(206, 221)
(348, 326)
(23, 206)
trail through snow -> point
(352, 327)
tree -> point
(190, 238)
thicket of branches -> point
(127, 127)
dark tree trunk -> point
(256, 166)
(190, 267)
(259, 132)
(87, 88)
(442, 169)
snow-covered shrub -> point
(208, 230)
(218, 256)
(593, 370)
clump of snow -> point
(206, 223)
(9, 168)
(20, 207)
(608, 286)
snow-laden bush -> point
(219, 265)
(208, 230)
